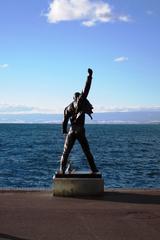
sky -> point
(47, 46)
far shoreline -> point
(87, 123)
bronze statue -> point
(75, 112)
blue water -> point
(127, 155)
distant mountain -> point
(27, 118)
(128, 117)
(134, 117)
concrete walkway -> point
(118, 215)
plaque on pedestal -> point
(78, 184)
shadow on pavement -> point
(9, 237)
(128, 197)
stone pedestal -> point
(78, 184)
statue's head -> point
(76, 95)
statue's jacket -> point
(76, 110)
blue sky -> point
(46, 47)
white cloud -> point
(124, 18)
(127, 109)
(89, 23)
(4, 65)
(149, 12)
(121, 59)
(21, 109)
(88, 12)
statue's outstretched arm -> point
(65, 120)
(64, 125)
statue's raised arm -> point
(88, 84)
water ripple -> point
(127, 155)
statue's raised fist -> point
(90, 71)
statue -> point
(75, 112)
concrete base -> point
(77, 185)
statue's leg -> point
(69, 142)
(85, 146)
